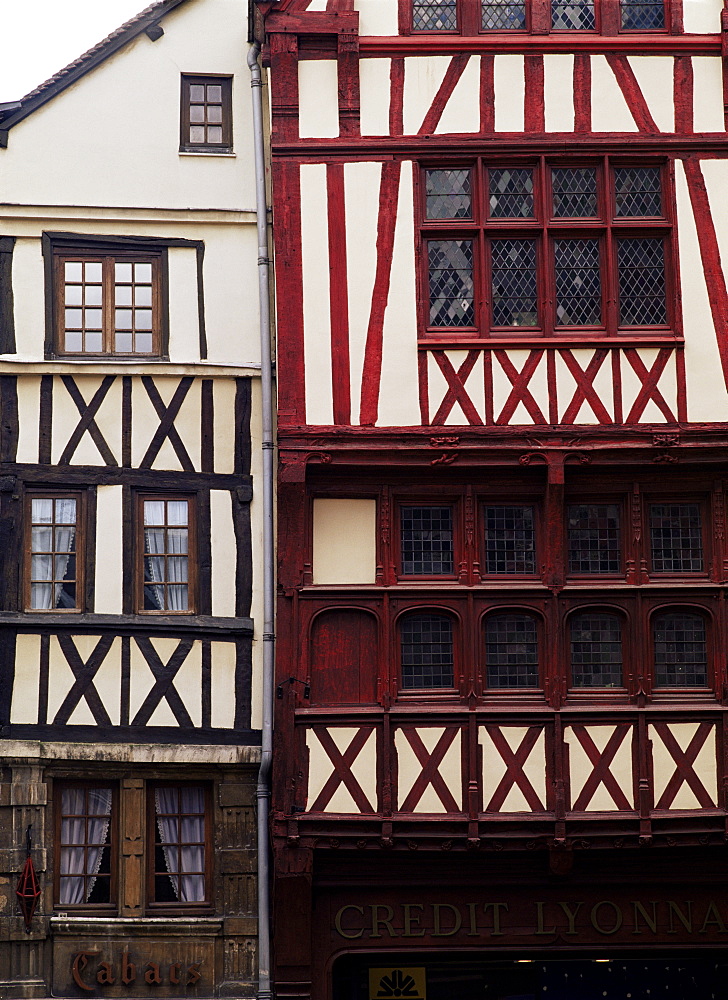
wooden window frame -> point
(517, 691)
(702, 502)
(589, 693)
(81, 540)
(519, 500)
(589, 499)
(193, 552)
(58, 786)
(109, 256)
(182, 908)
(678, 606)
(226, 82)
(451, 501)
(544, 228)
(438, 694)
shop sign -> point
(91, 969)
(409, 984)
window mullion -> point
(107, 319)
(546, 275)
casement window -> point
(426, 646)
(594, 543)
(427, 540)
(510, 540)
(470, 17)
(206, 124)
(567, 251)
(180, 852)
(54, 551)
(676, 538)
(680, 650)
(511, 651)
(595, 639)
(166, 554)
(85, 844)
(107, 301)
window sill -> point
(208, 152)
(466, 342)
(92, 926)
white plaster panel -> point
(510, 93)
(316, 294)
(374, 98)
(631, 386)
(24, 706)
(398, 391)
(224, 553)
(162, 714)
(29, 297)
(231, 294)
(141, 681)
(361, 187)
(320, 769)
(702, 17)
(494, 768)
(654, 74)
(715, 173)
(462, 111)
(61, 678)
(708, 113)
(317, 5)
(318, 99)
(422, 78)
(663, 765)
(537, 386)
(66, 416)
(558, 92)
(344, 541)
(566, 386)
(224, 429)
(609, 108)
(28, 417)
(109, 551)
(706, 391)
(184, 325)
(409, 769)
(377, 17)
(107, 682)
(188, 682)
(222, 685)
(256, 520)
(145, 422)
(580, 768)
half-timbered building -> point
(503, 414)
(130, 436)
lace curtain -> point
(165, 545)
(84, 832)
(45, 595)
(181, 824)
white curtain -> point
(90, 833)
(44, 596)
(65, 539)
(154, 544)
(183, 845)
(177, 569)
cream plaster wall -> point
(558, 92)
(708, 114)
(224, 553)
(24, 707)
(183, 310)
(510, 88)
(422, 78)
(318, 98)
(344, 541)
(224, 390)
(316, 293)
(609, 108)
(409, 770)
(145, 422)
(320, 769)
(28, 418)
(222, 685)
(28, 295)
(654, 75)
(375, 92)
(377, 17)
(581, 768)
(66, 416)
(663, 765)
(109, 551)
(702, 16)
(462, 111)
(494, 768)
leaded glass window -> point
(641, 267)
(574, 15)
(593, 538)
(503, 15)
(426, 651)
(434, 15)
(510, 540)
(681, 652)
(448, 194)
(575, 192)
(511, 193)
(578, 283)
(676, 537)
(514, 282)
(427, 541)
(511, 651)
(643, 15)
(451, 283)
(638, 191)
(596, 650)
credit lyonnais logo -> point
(409, 984)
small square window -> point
(427, 541)
(206, 114)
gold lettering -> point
(650, 921)
(539, 913)
(80, 961)
(412, 918)
(340, 929)
(571, 916)
(717, 920)
(675, 911)
(377, 920)
(457, 921)
(174, 973)
(128, 969)
(105, 973)
(473, 932)
(193, 974)
(617, 917)
(497, 907)
(152, 976)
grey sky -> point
(44, 36)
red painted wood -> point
(582, 92)
(452, 75)
(344, 656)
(423, 390)
(348, 76)
(552, 388)
(649, 379)
(342, 773)
(519, 393)
(396, 97)
(563, 41)
(684, 760)
(617, 386)
(284, 87)
(339, 295)
(487, 94)
(534, 116)
(632, 92)
(430, 775)
(488, 387)
(585, 391)
(682, 387)
(683, 94)
(372, 370)
(514, 775)
(289, 292)
(456, 391)
(601, 761)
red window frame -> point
(575, 500)
(606, 227)
(705, 532)
(587, 692)
(426, 693)
(454, 503)
(500, 611)
(677, 606)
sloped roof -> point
(88, 61)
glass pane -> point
(64, 568)
(427, 652)
(596, 651)
(177, 511)
(214, 113)
(638, 191)
(178, 598)
(177, 540)
(427, 540)
(510, 543)
(143, 273)
(594, 542)
(144, 343)
(73, 342)
(578, 283)
(430, 15)
(197, 113)
(676, 538)
(92, 295)
(192, 800)
(514, 283)
(40, 596)
(142, 295)
(641, 265)
(74, 295)
(647, 15)
(197, 92)
(122, 319)
(448, 194)
(122, 272)
(42, 511)
(197, 133)
(73, 270)
(214, 133)
(574, 15)
(74, 319)
(143, 319)
(123, 343)
(681, 656)
(73, 860)
(214, 93)
(511, 193)
(66, 511)
(154, 512)
(41, 539)
(177, 569)
(93, 319)
(451, 282)
(511, 651)
(93, 271)
(93, 343)
(575, 192)
(41, 568)
(122, 295)
(503, 15)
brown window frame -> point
(80, 542)
(108, 257)
(178, 908)
(188, 80)
(113, 845)
(193, 555)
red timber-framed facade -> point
(503, 412)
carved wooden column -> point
(132, 813)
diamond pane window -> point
(511, 651)
(514, 282)
(510, 540)
(676, 538)
(596, 650)
(575, 192)
(503, 15)
(578, 283)
(681, 653)
(426, 651)
(511, 193)
(427, 541)
(648, 15)
(594, 541)
(451, 282)
(448, 194)
(638, 191)
(431, 15)
(578, 15)
(641, 265)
